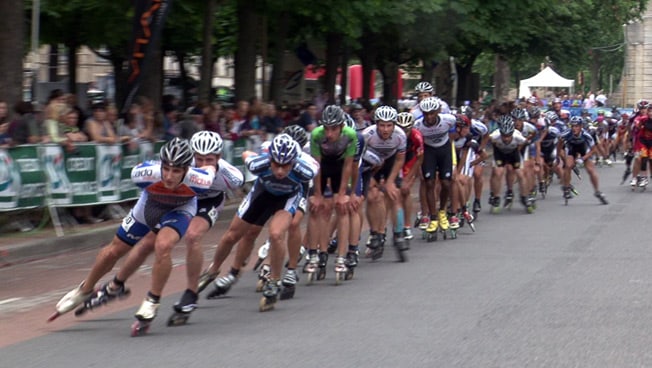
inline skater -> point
(276, 194)
(437, 158)
(163, 212)
(246, 242)
(333, 145)
(410, 170)
(507, 143)
(578, 147)
(642, 113)
(207, 147)
(389, 145)
(528, 151)
(643, 129)
(546, 146)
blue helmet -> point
(576, 120)
(283, 149)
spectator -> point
(53, 107)
(71, 100)
(5, 139)
(70, 127)
(189, 123)
(24, 129)
(98, 126)
(272, 122)
(213, 119)
(308, 119)
(170, 128)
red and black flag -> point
(149, 18)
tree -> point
(12, 36)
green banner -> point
(32, 178)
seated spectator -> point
(272, 122)
(24, 129)
(188, 124)
(170, 128)
(5, 139)
(98, 126)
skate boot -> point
(543, 189)
(222, 286)
(340, 270)
(443, 220)
(305, 265)
(527, 203)
(332, 246)
(289, 284)
(573, 190)
(377, 253)
(270, 295)
(323, 262)
(263, 276)
(494, 201)
(372, 243)
(144, 317)
(351, 264)
(509, 198)
(417, 219)
(424, 222)
(634, 182)
(468, 217)
(401, 246)
(206, 279)
(102, 296)
(69, 301)
(601, 197)
(643, 182)
(576, 170)
(407, 233)
(312, 267)
(183, 308)
(567, 194)
(454, 222)
(608, 162)
(476, 207)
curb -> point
(28, 249)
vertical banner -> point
(149, 17)
(131, 156)
(108, 168)
(58, 186)
(9, 181)
(32, 178)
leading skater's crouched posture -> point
(165, 207)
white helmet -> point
(429, 104)
(422, 87)
(206, 142)
(405, 120)
(385, 113)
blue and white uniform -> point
(158, 206)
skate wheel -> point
(178, 319)
(53, 316)
(311, 278)
(139, 328)
(339, 277)
(265, 305)
(322, 274)
(80, 311)
(472, 226)
(349, 275)
(259, 285)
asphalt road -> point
(568, 286)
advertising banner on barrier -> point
(58, 186)
(32, 178)
(80, 169)
(9, 181)
(109, 172)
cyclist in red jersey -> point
(410, 169)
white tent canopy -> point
(546, 78)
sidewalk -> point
(20, 247)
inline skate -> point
(144, 317)
(222, 286)
(289, 284)
(270, 295)
(102, 296)
(183, 308)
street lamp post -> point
(36, 12)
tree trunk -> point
(278, 78)
(205, 77)
(333, 46)
(466, 87)
(501, 79)
(120, 79)
(151, 85)
(71, 49)
(344, 75)
(367, 59)
(443, 83)
(12, 37)
(390, 73)
(245, 55)
(428, 73)
(53, 63)
(595, 71)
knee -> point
(163, 249)
(193, 236)
(275, 236)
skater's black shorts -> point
(209, 208)
(259, 205)
(575, 150)
(437, 160)
(507, 158)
